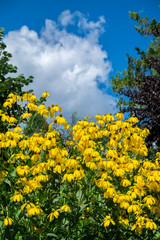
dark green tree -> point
(9, 84)
(138, 87)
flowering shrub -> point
(94, 183)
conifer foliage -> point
(139, 85)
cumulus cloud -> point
(67, 60)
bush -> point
(95, 183)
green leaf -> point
(17, 213)
(52, 235)
(83, 206)
(1, 224)
(13, 173)
(79, 196)
(92, 219)
(6, 180)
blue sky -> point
(73, 47)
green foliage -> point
(35, 124)
(138, 87)
(9, 84)
(145, 28)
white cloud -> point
(66, 63)
(66, 18)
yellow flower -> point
(109, 117)
(34, 211)
(111, 192)
(111, 153)
(55, 108)
(98, 116)
(33, 98)
(124, 221)
(87, 209)
(60, 120)
(26, 96)
(125, 183)
(91, 165)
(2, 175)
(65, 208)
(8, 221)
(17, 197)
(107, 221)
(7, 104)
(22, 170)
(119, 172)
(59, 168)
(100, 122)
(150, 200)
(26, 115)
(35, 157)
(120, 116)
(45, 94)
(12, 120)
(138, 228)
(133, 119)
(71, 163)
(50, 126)
(11, 143)
(68, 177)
(53, 214)
(151, 225)
(23, 206)
(133, 208)
(78, 174)
(124, 205)
(17, 129)
(5, 117)
(31, 106)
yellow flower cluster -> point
(112, 150)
